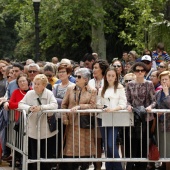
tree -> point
(138, 17)
(8, 34)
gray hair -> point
(85, 73)
(34, 65)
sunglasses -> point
(49, 75)
(78, 76)
(146, 62)
(116, 66)
(32, 71)
(126, 81)
(161, 66)
(139, 71)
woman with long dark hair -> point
(112, 99)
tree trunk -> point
(98, 38)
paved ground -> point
(5, 166)
(9, 168)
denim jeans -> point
(107, 136)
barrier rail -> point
(18, 141)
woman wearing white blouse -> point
(113, 96)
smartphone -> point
(105, 106)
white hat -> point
(146, 57)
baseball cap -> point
(146, 57)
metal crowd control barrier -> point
(18, 140)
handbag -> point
(52, 122)
(50, 119)
(153, 152)
(87, 121)
(139, 115)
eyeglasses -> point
(139, 71)
(126, 81)
(161, 66)
(146, 62)
(61, 72)
(116, 66)
(49, 75)
(78, 76)
(32, 71)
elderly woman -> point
(163, 102)
(129, 77)
(31, 103)
(78, 96)
(155, 80)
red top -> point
(16, 97)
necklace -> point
(21, 92)
(64, 86)
(98, 85)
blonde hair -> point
(130, 75)
(165, 64)
(4, 62)
(164, 73)
(42, 78)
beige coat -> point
(48, 103)
(87, 101)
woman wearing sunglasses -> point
(139, 92)
(163, 66)
(120, 69)
(50, 74)
(79, 97)
(129, 77)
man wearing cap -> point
(148, 61)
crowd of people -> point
(92, 83)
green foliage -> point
(8, 35)
(138, 17)
(160, 32)
(66, 26)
